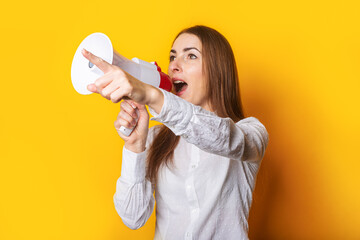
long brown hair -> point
(222, 89)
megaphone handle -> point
(128, 131)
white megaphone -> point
(83, 72)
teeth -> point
(178, 81)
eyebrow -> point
(186, 49)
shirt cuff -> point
(133, 166)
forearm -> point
(154, 98)
(133, 199)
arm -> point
(134, 200)
(245, 140)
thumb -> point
(142, 111)
(141, 107)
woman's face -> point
(185, 70)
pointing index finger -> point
(99, 62)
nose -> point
(175, 66)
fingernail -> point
(85, 51)
(133, 106)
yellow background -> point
(299, 74)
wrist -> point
(155, 98)
(135, 147)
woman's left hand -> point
(116, 84)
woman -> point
(203, 161)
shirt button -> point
(187, 234)
(193, 166)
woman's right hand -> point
(133, 114)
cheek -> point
(198, 87)
(200, 81)
(197, 76)
(169, 70)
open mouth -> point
(180, 86)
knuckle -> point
(129, 90)
(133, 113)
(126, 103)
(117, 84)
(97, 84)
(105, 93)
(121, 123)
(118, 117)
(113, 98)
(116, 124)
(128, 125)
(122, 114)
(116, 73)
(119, 72)
(105, 96)
(130, 112)
(125, 123)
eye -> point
(192, 56)
(172, 58)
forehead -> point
(186, 40)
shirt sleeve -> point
(134, 200)
(245, 140)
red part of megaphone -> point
(165, 81)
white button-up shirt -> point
(207, 194)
